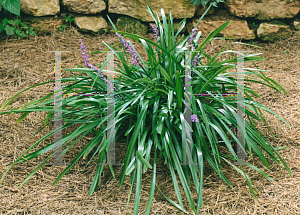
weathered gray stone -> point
(272, 32)
(263, 9)
(91, 23)
(130, 25)
(40, 7)
(85, 6)
(296, 25)
(235, 30)
(138, 8)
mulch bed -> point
(26, 62)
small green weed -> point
(16, 27)
(68, 20)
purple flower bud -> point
(118, 35)
(155, 30)
(86, 60)
(192, 37)
(196, 60)
(194, 118)
(130, 50)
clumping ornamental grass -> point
(150, 109)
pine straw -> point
(26, 62)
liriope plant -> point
(150, 109)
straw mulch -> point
(26, 62)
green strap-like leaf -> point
(132, 143)
(201, 168)
(90, 145)
(12, 98)
(100, 166)
(245, 176)
(152, 188)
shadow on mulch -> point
(26, 62)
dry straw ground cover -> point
(25, 63)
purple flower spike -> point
(130, 50)
(155, 30)
(192, 37)
(84, 54)
(86, 60)
(194, 118)
(196, 60)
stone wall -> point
(267, 20)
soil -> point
(25, 63)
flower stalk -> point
(191, 45)
(155, 30)
(130, 50)
(86, 60)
